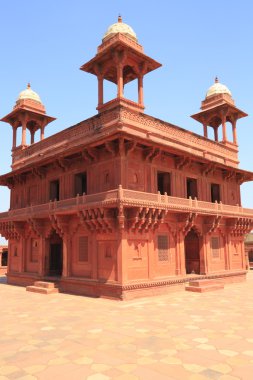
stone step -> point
(204, 286)
(42, 290)
(45, 284)
(204, 282)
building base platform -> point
(130, 290)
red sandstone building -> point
(123, 204)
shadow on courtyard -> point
(3, 279)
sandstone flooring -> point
(179, 336)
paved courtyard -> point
(179, 336)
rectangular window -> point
(80, 184)
(54, 190)
(83, 249)
(215, 247)
(192, 190)
(163, 248)
(163, 183)
(215, 192)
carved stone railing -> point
(127, 198)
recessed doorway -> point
(192, 258)
(55, 260)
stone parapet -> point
(129, 199)
(134, 124)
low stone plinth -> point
(203, 286)
(43, 287)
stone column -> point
(32, 136)
(121, 247)
(65, 254)
(42, 256)
(205, 130)
(234, 132)
(140, 90)
(180, 252)
(228, 250)
(242, 253)
(42, 129)
(100, 90)
(224, 128)
(120, 80)
(14, 140)
(216, 134)
(23, 142)
(203, 254)
(25, 250)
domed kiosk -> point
(217, 109)
(120, 59)
(28, 113)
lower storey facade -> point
(141, 258)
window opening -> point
(80, 183)
(191, 184)
(164, 183)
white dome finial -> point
(120, 27)
(217, 88)
(28, 93)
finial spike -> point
(28, 85)
(216, 79)
(119, 18)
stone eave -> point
(240, 174)
(12, 115)
(198, 116)
(102, 56)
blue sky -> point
(45, 43)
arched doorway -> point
(192, 259)
(55, 255)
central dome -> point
(120, 27)
(217, 88)
(28, 93)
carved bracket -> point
(146, 219)
(8, 231)
(99, 220)
(182, 162)
(151, 153)
(39, 172)
(240, 226)
(213, 224)
(188, 223)
(209, 168)
(90, 154)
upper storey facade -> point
(95, 147)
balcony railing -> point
(129, 198)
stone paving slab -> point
(179, 336)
